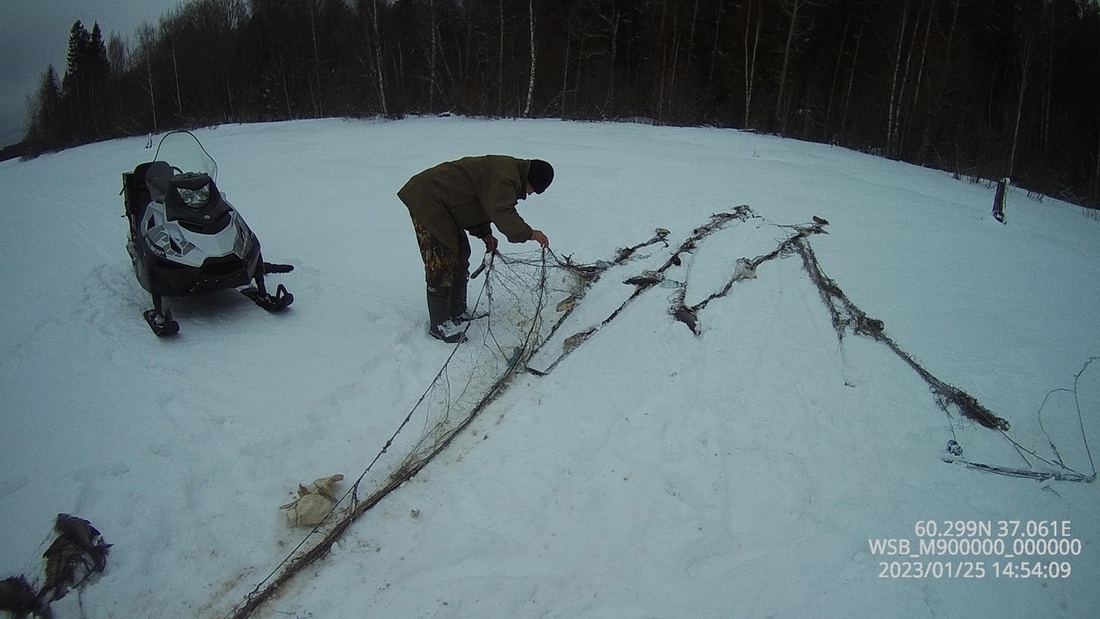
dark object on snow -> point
(19, 598)
(659, 235)
(78, 552)
(954, 448)
(185, 237)
(869, 326)
(84, 535)
(646, 279)
(999, 200)
(688, 317)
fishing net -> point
(526, 305)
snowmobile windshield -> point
(183, 151)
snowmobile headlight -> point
(195, 198)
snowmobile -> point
(186, 238)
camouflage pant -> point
(443, 268)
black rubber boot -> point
(440, 325)
(458, 299)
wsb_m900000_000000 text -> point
(980, 549)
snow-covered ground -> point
(740, 472)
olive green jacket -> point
(468, 194)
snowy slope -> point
(653, 473)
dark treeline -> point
(989, 88)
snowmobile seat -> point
(157, 176)
(135, 189)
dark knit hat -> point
(540, 175)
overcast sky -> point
(35, 33)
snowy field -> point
(740, 472)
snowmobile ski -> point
(272, 303)
(270, 267)
(161, 324)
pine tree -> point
(72, 90)
(46, 129)
(85, 81)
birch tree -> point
(531, 77)
(750, 56)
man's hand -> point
(490, 243)
(537, 235)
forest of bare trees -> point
(982, 88)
